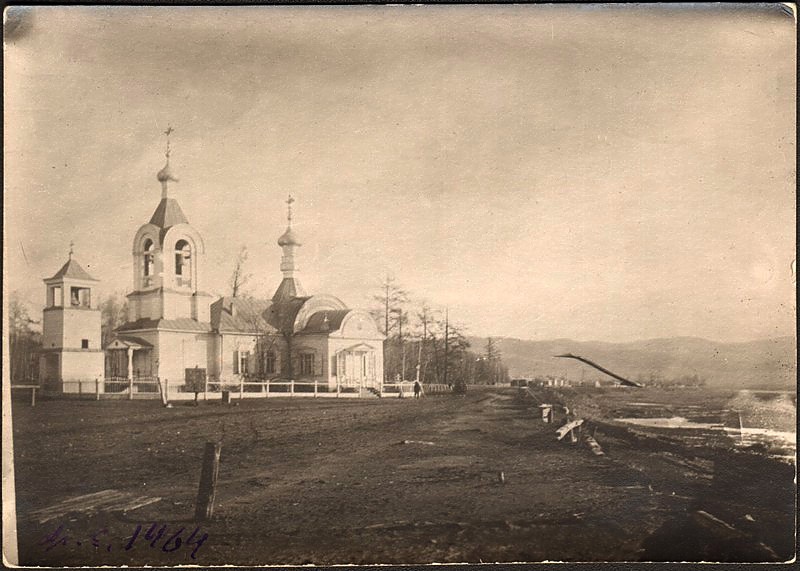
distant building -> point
(175, 325)
(71, 358)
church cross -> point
(71, 248)
(168, 132)
(289, 202)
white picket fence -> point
(166, 390)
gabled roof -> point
(73, 270)
(184, 324)
(168, 213)
(240, 314)
(126, 341)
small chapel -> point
(175, 326)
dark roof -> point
(281, 315)
(168, 213)
(131, 340)
(289, 289)
(241, 314)
(184, 324)
(325, 321)
(72, 269)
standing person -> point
(417, 389)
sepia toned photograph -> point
(399, 285)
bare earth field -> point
(324, 482)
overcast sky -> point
(598, 173)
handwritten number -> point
(149, 534)
(176, 537)
(53, 538)
(129, 546)
(198, 543)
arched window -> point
(148, 261)
(183, 263)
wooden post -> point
(80, 387)
(338, 388)
(205, 389)
(291, 387)
(33, 396)
(162, 391)
(241, 388)
(166, 392)
(97, 388)
(130, 388)
(204, 510)
(315, 388)
(267, 388)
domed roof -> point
(165, 174)
(289, 238)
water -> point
(757, 420)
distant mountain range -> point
(768, 363)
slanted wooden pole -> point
(204, 510)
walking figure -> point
(417, 389)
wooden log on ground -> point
(204, 510)
(567, 428)
(593, 445)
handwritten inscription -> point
(173, 539)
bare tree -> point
(24, 343)
(239, 277)
(113, 313)
(391, 298)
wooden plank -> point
(136, 503)
(567, 428)
(79, 504)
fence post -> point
(97, 388)
(241, 388)
(205, 388)
(204, 509)
(291, 388)
(267, 389)
(130, 388)
(338, 388)
(166, 391)
(315, 388)
(80, 388)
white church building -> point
(175, 326)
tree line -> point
(424, 343)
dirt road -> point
(316, 481)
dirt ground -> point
(383, 481)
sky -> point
(589, 172)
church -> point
(174, 325)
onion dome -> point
(289, 238)
(165, 174)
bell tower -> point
(72, 357)
(168, 261)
